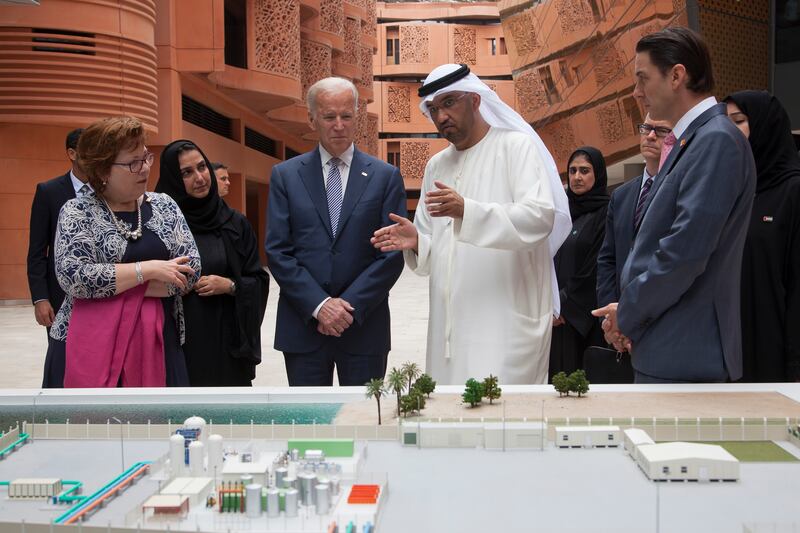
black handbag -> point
(605, 365)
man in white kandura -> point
(494, 214)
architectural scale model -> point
(329, 474)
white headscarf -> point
(500, 115)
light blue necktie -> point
(334, 193)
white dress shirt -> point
(692, 114)
(345, 162)
(78, 184)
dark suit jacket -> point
(309, 264)
(47, 202)
(617, 241)
(681, 283)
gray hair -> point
(330, 85)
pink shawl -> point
(116, 341)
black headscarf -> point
(203, 215)
(595, 198)
(770, 138)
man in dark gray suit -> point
(50, 196)
(622, 208)
(678, 312)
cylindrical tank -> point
(280, 475)
(291, 502)
(290, 482)
(196, 450)
(215, 455)
(307, 481)
(295, 454)
(273, 503)
(334, 486)
(247, 479)
(253, 500)
(323, 498)
(177, 457)
(195, 422)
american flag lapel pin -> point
(683, 143)
(767, 218)
(363, 173)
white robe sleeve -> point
(419, 261)
(524, 222)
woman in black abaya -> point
(225, 309)
(576, 262)
(771, 259)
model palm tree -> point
(411, 372)
(397, 382)
(375, 390)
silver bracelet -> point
(139, 275)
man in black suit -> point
(621, 212)
(50, 195)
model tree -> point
(375, 389)
(396, 382)
(413, 401)
(491, 390)
(578, 383)
(473, 392)
(561, 383)
(411, 371)
(425, 384)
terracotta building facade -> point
(230, 75)
(573, 62)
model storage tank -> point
(292, 497)
(307, 481)
(253, 500)
(280, 475)
(290, 483)
(196, 452)
(273, 503)
(322, 495)
(177, 455)
(215, 454)
(197, 423)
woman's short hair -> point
(100, 144)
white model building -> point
(489, 435)
(194, 488)
(633, 438)
(587, 436)
(39, 488)
(687, 461)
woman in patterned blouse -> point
(122, 255)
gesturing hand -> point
(334, 317)
(444, 202)
(402, 235)
(175, 271)
(212, 285)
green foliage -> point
(396, 382)
(578, 382)
(411, 372)
(473, 392)
(412, 402)
(425, 384)
(376, 389)
(561, 383)
(491, 390)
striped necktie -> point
(334, 193)
(639, 213)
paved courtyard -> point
(23, 343)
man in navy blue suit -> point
(324, 206)
(50, 196)
(621, 209)
(679, 312)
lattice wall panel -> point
(465, 45)
(738, 35)
(414, 155)
(316, 63)
(414, 44)
(399, 103)
(277, 29)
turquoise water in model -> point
(240, 413)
